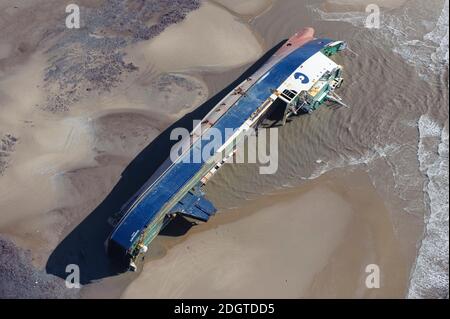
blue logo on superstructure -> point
(302, 77)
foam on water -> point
(428, 128)
(439, 35)
(346, 161)
(417, 32)
(430, 276)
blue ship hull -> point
(177, 188)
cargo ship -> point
(298, 78)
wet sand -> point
(246, 8)
(288, 245)
(189, 46)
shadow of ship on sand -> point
(85, 244)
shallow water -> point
(396, 84)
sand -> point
(50, 158)
(246, 7)
(288, 245)
(226, 43)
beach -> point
(85, 117)
(288, 245)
